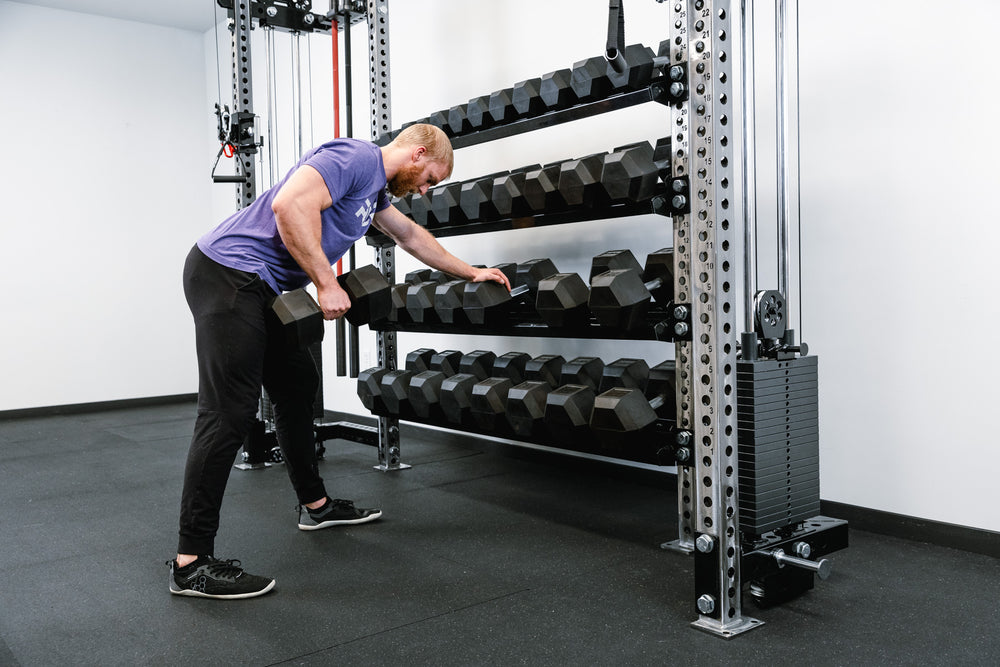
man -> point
(290, 236)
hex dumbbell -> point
(298, 319)
(622, 410)
(620, 298)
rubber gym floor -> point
(487, 554)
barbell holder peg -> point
(822, 567)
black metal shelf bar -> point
(659, 326)
(644, 446)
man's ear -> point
(418, 152)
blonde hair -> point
(431, 138)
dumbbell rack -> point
(704, 138)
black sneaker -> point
(335, 512)
(209, 577)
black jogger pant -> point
(236, 356)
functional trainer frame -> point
(712, 143)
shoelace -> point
(225, 568)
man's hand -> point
(496, 275)
(333, 300)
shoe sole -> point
(340, 522)
(187, 592)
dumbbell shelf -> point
(657, 205)
(659, 326)
(660, 329)
(656, 92)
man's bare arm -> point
(297, 207)
(420, 243)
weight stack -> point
(778, 419)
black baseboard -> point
(99, 406)
(911, 528)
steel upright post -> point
(381, 118)
(243, 97)
(706, 277)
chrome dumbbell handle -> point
(821, 567)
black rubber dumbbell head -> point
(527, 98)
(477, 113)
(545, 368)
(556, 90)
(580, 181)
(586, 371)
(568, 410)
(395, 392)
(511, 365)
(478, 363)
(296, 319)
(419, 360)
(446, 205)
(488, 404)
(446, 361)
(370, 389)
(619, 299)
(589, 79)
(448, 302)
(613, 259)
(458, 121)
(424, 394)
(508, 193)
(526, 407)
(625, 373)
(370, 295)
(456, 398)
(629, 174)
(541, 190)
(561, 300)
(501, 108)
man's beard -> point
(405, 181)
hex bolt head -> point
(683, 454)
(683, 438)
(677, 185)
(706, 604)
(680, 313)
(272, 11)
(681, 328)
(705, 544)
(679, 202)
(676, 89)
(676, 73)
(802, 549)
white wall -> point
(104, 179)
(900, 226)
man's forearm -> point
(421, 244)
